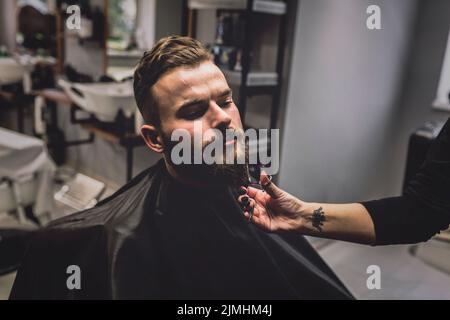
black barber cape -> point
(157, 239)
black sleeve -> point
(424, 208)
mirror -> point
(122, 24)
(36, 28)
(85, 48)
(131, 31)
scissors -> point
(254, 181)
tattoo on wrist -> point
(318, 218)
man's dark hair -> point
(168, 53)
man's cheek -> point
(178, 125)
(236, 116)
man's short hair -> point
(168, 53)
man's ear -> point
(152, 138)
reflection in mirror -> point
(85, 48)
(36, 27)
(122, 24)
(131, 26)
(35, 37)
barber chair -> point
(17, 222)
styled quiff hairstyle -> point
(168, 53)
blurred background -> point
(356, 107)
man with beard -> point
(175, 231)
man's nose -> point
(219, 117)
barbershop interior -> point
(358, 90)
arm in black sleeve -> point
(424, 208)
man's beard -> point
(218, 173)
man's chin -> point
(223, 171)
(227, 171)
(214, 174)
(234, 174)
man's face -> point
(188, 94)
(196, 95)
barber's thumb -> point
(269, 186)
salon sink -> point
(19, 67)
(11, 71)
(104, 100)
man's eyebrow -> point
(227, 92)
(191, 103)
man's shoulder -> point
(85, 239)
(90, 230)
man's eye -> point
(194, 113)
(225, 103)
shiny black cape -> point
(157, 239)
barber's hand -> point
(273, 209)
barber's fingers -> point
(250, 192)
(250, 209)
(254, 216)
(251, 217)
(245, 200)
(247, 203)
(269, 186)
(253, 192)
